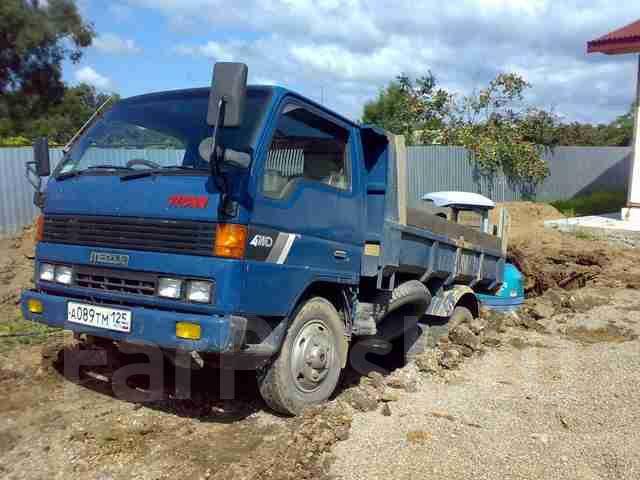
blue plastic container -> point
(510, 296)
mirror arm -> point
(213, 159)
(32, 176)
(36, 182)
(227, 207)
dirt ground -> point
(549, 393)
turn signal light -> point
(230, 240)
(35, 306)
(40, 228)
(188, 331)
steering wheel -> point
(141, 161)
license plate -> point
(99, 317)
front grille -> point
(132, 233)
(136, 283)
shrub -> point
(593, 203)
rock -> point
(531, 324)
(443, 414)
(464, 350)
(418, 437)
(390, 396)
(360, 399)
(540, 310)
(428, 361)
(509, 319)
(404, 378)
(477, 325)
(461, 335)
(494, 320)
(485, 313)
(555, 297)
(491, 341)
(541, 437)
(342, 433)
(386, 410)
(450, 359)
(377, 380)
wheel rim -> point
(312, 356)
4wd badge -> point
(268, 245)
(263, 241)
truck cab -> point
(239, 221)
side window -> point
(307, 146)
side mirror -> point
(237, 159)
(226, 155)
(230, 85)
(41, 157)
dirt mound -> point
(546, 268)
(523, 213)
(551, 259)
(16, 265)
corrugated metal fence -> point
(574, 170)
(16, 194)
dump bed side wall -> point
(418, 242)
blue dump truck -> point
(247, 222)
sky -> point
(343, 52)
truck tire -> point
(307, 370)
(460, 316)
(409, 300)
(414, 342)
(414, 293)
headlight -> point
(199, 291)
(169, 287)
(47, 272)
(64, 275)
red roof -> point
(623, 40)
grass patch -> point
(15, 331)
(582, 235)
(592, 204)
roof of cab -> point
(275, 90)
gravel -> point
(555, 406)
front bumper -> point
(149, 326)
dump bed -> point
(415, 240)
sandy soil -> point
(550, 393)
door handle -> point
(340, 255)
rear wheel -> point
(461, 315)
(307, 370)
(413, 342)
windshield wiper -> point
(107, 167)
(155, 171)
(75, 173)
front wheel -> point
(307, 370)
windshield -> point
(163, 130)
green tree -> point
(620, 131)
(503, 133)
(35, 38)
(62, 120)
(413, 108)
